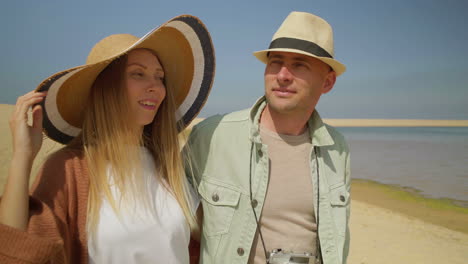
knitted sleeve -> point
(48, 235)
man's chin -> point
(281, 107)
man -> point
(275, 176)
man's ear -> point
(329, 82)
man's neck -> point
(286, 124)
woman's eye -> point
(137, 74)
(159, 77)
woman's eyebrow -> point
(159, 69)
(138, 64)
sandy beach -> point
(388, 224)
(379, 235)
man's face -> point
(295, 82)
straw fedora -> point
(185, 50)
(306, 34)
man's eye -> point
(275, 62)
(299, 64)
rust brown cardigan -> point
(58, 208)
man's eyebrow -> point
(300, 59)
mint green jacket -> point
(224, 148)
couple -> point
(268, 178)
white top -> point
(158, 235)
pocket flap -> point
(339, 196)
(217, 194)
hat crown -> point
(308, 27)
(110, 47)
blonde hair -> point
(107, 135)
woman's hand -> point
(27, 139)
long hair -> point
(111, 145)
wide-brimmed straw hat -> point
(184, 48)
(306, 34)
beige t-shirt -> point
(287, 220)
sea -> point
(432, 161)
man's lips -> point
(283, 91)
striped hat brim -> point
(184, 48)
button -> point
(254, 203)
(215, 197)
(342, 198)
(240, 251)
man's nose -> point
(284, 75)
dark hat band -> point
(299, 44)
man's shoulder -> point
(223, 121)
(338, 138)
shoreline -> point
(395, 122)
(443, 212)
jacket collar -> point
(317, 129)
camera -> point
(278, 256)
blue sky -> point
(405, 59)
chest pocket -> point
(219, 203)
(339, 200)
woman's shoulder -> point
(64, 160)
(65, 154)
(62, 169)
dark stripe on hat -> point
(50, 130)
(208, 71)
(299, 44)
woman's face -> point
(145, 86)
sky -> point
(404, 58)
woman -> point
(117, 192)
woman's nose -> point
(153, 85)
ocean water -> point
(431, 160)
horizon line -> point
(382, 122)
(375, 122)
